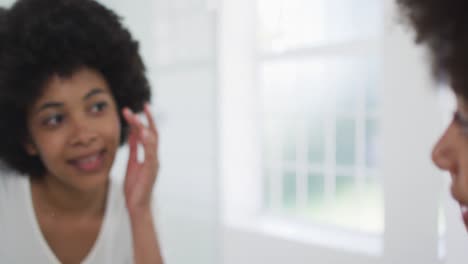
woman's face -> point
(75, 129)
(451, 154)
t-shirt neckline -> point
(52, 258)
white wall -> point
(184, 101)
(414, 187)
(410, 127)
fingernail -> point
(128, 111)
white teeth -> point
(88, 159)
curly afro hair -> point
(42, 38)
(443, 26)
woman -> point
(71, 79)
(443, 26)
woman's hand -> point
(141, 175)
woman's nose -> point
(83, 133)
(444, 152)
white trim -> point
(324, 236)
(354, 48)
(330, 150)
(301, 163)
(239, 122)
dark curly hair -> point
(443, 26)
(42, 38)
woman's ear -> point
(30, 147)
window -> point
(398, 120)
(319, 71)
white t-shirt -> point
(21, 240)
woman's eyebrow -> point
(93, 92)
(90, 94)
(49, 105)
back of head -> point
(443, 26)
(3, 11)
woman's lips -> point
(464, 212)
(89, 163)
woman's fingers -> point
(133, 147)
(147, 136)
(150, 118)
(133, 121)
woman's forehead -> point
(74, 89)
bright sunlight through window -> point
(319, 73)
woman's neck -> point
(63, 200)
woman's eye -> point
(461, 120)
(98, 107)
(53, 120)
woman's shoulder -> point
(12, 197)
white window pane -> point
(279, 140)
(289, 190)
(328, 91)
(309, 84)
(328, 94)
(345, 142)
(267, 199)
(289, 140)
(271, 140)
(298, 23)
(352, 19)
(315, 190)
(316, 140)
(370, 83)
(371, 142)
(352, 208)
